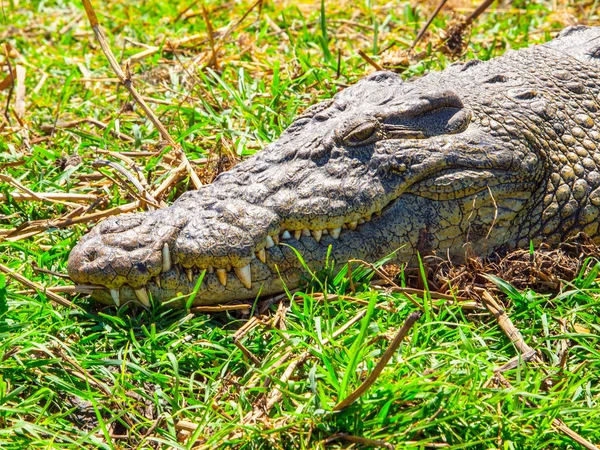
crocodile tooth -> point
(325, 231)
(276, 239)
(335, 232)
(317, 234)
(270, 242)
(166, 258)
(361, 221)
(368, 217)
(297, 234)
(222, 276)
(244, 275)
(116, 298)
(377, 213)
(142, 296)
(210, 269)
(262, 255)
(157, 281)
(305, 232)
(353, 225)
(286, 235)
(344, 226)
(190, 274)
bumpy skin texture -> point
(482, 157)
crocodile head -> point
(452, 162)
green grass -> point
(91, 377)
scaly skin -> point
(481, 157)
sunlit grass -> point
(95, 377)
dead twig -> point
(237, 24)
(48, 197)
(376, 443)
(73, 123)
(424, 27)
(34, 195)
(33, 228)
(10, 81)
(506, 324)
(556, 423)
(38, 287)
(332, 297)
(410, 321)
(20, 94)
(217, 308)
(478, 11)
(212, 60)
(127, 81)
(146, 196)
(247, 353)
(368, 59)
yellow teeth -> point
(262, 255)
(142, 296)
(222, 276)
(317, 234)
(244, 275)
(166, 258)
(114, 293)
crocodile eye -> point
(363, 134)
(595, 52)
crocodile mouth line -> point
(285, 236)
(244, 274)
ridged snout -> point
(133, 251)
(121, 250)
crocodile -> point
(477, 159)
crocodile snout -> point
(166, 250)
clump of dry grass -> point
(545, 269)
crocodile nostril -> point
(91, 254)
